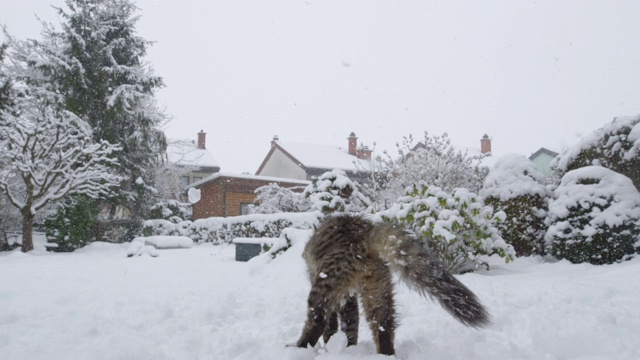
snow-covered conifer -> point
(100, 73)
(333, 192)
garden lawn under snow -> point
(199, 303)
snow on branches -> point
(46, 152)
(433, 161)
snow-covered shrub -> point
(172, 210)
(595, 217)
(223, 230)
(138, 248)
(74, 224)
(457, 227)
(515, 186)
(615, 146)
(273, 198)
(432, 161)
(333, 192)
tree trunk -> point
(27, 231)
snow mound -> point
(166, 242)
(138, 249)
(513, 176)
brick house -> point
(305, 161)
(223, 195)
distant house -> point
(542, 158)
(193, 156)
(223, 195)
(303, 161)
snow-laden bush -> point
(615, 146)
(515, 186)
(595, 217)
(333, 192)
(457, 227)
(432, 161)
(172, 210)
(273, 198)
(223, 230)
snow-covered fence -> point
(223, 230)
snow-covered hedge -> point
(615, 146)
(458, 228)
(595, 217)
(514, 185)
(223, 230)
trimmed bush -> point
(615, 146)
(516, 187)
(594, 217)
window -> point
(244, 208)
(184, 181)
(197, 178)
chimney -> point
(274, 140)
(202, 140)
(485, 145)
(353, 141)
(364, 153)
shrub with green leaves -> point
(456, 226)
(595, 217)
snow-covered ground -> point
(199, 303)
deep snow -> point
(199, 303)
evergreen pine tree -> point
(103, 79)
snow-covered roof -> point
(248, 177)
(186, 152)
(324, 156)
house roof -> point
(314, 156)
(543, 151)
(186, 152)
(218, 175)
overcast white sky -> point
(530, 74)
